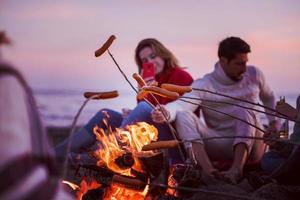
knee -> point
(270, 161)
(143, 107)
(243, 126)
(112, 116)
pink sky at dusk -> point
(54, 41)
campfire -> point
(123, 169)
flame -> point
(85, 186)
(116, 144)
(116, 192)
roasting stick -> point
(103, 49)
(186, 89)
(232, 116)
(162, 92)
(243, 100)
(233, 104)
(89, 96)
(245, 107)
(235, 98)
(173, 143)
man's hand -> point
(272, 132)
(158, 116)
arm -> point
(266, 94)
(179, 105)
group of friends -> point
(194, 121)
(231, 76)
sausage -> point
(102, 95)
(176, 88)
(139, 80)
(161, 92)
(105, 46)
(160, 145)
(141, 94)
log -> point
(125, 161)
(129, 182)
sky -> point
(55, 41)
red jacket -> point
(175, 76)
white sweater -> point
(252, 87)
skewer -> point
(234, 104)
(187, 89)
(232, 116)
(65, 164)
(239, 99)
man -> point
(233, 77)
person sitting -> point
(282, 161)
(27, 166)
(167, 70)
(231, 76)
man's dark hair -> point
(231, 46)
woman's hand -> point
(160, 114)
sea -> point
(58, 108)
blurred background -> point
(54, 43)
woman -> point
(167, 70)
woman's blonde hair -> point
(159, 49)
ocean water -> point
(59, 107)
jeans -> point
(271, 161)
(84, 138)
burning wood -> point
(122, 165)
(125, 161)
